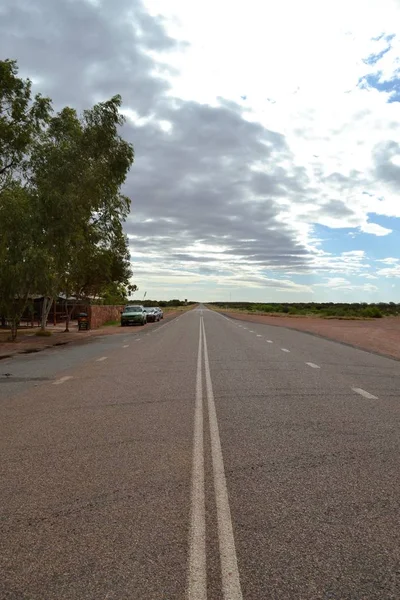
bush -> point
(371, 312)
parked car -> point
(133, 315)
(160, 312)
(152, 313)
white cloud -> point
(375, 229)
(389, 272)
(263, 132)
(332, 126)
(390, 260)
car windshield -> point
(133, 309)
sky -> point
(266, 136)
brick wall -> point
(101, 314)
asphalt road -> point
(200, 458)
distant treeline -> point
(323, 309)
(162, 303)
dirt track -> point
(376, 335)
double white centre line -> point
(197, 577)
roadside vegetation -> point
(326, 310)
(61, 207)
(165, 304)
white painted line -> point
(62, 379)
(231, 589)
(365, 394)
(285, 350)
(137, 340)
(251, 331)
(126, 346)
(270, 342)
(197, 574)
(313, 365)
(259, 335)
(101, 359)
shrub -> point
(371, 312)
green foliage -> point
(372, 312)
(20, 271)
(21, 119)
(61, 209)
(355, 310)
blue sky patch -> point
(373, 80)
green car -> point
(133, 315)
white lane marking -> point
(270, 342)
(231, 589)
(259, 335)
(62, 379)
(138, 340)
(251, 331)
(313, 365)
(365, 394)
(101, 359)
(197, 577)
(285, 350)
(126, 346)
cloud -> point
(375, 229)
(389, 271)
(238, 159)
(82, 52)
(339, 283)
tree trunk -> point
(66, 330)
(14, 329)
(45, 312)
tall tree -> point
(21, 119)
(61, 208)
(77, 168)
(21, 265)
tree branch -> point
(4, 169)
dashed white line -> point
(285, 350)
(365, 394)
(231, 589)
(62, 379)
(251, 331)
(101, 359)
(126, 346)
(270, 342)
(313, 365)
(259, 335)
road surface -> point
(201, 458)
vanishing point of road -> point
(202, 457)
